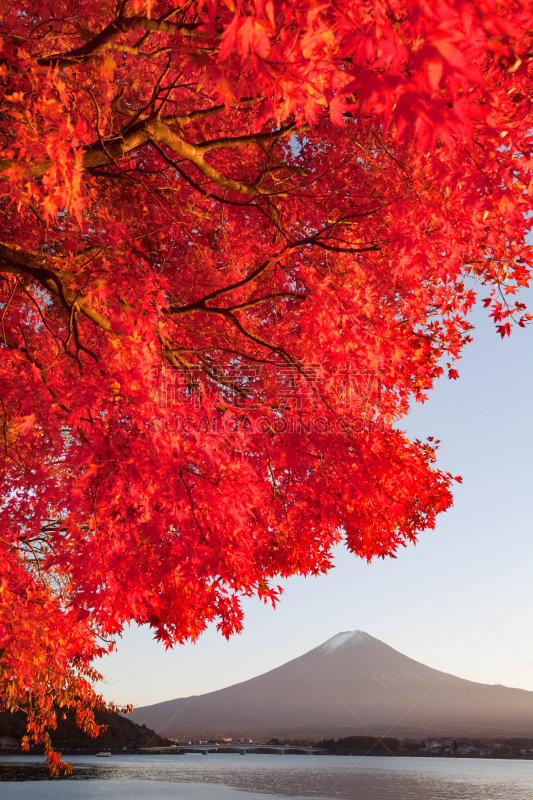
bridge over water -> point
(233, 747)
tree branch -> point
(17, 263)
(102, 41)
(159, 132)
(253, 138)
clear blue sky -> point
(460, 601)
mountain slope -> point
(353, 683)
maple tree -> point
(237, 240)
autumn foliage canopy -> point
(237, 240)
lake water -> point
(256, 777)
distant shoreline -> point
(472, 757)
(497, 748)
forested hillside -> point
(121, 732)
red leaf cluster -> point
(237, 240)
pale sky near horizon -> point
(460, 601)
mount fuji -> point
(351, 684)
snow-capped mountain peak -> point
(339, 639)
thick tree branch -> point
(103, 40)
(112, 149)
(195, 185)
(161, 133)
(15, 262)
(158, 132)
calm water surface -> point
(252, 777)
